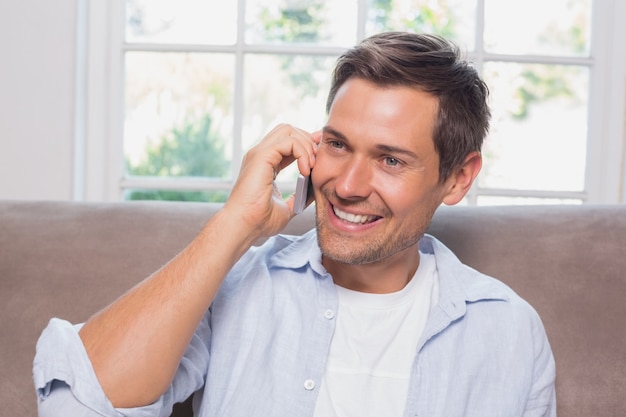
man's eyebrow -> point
(329, 130)
(395, 150)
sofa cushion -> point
(68, 260)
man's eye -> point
(335, 144)
(391, 161)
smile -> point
(353, 218)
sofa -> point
(70, 259)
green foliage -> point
(193, 150)
(542, 83)
(299, 23)
(293, 24)
(379, 13)
(423, 18)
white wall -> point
(37, 98)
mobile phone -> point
(304, 193)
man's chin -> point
(345, 252)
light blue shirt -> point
(261, 348)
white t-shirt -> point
(374, 346)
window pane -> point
(554, 27)
(182, 21)
(284, 89)
(178, 119)
(453, 19)
(321, 22)
(539, 127)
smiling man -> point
(366, 315)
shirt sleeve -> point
(542, 398)
(65, 380)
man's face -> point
(376, 176)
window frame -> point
(99, 110)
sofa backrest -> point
(68, 260)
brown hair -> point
(431, 64)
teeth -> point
(353, 218)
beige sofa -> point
(70, 259)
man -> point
(365, 315)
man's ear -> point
(462, 179)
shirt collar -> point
(459, 284)
(301, 251)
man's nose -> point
(354, 180)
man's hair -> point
(431, 64)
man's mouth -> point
(354, 218)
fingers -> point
(286, 144)
(255, 198)
(307, 140)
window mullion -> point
(479, 44)
(238, 101)
(478, 60)
(295, 49)
(605, 136)
(117, 101)
(104, 101)
(361, 19)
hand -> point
(255, 200)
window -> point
(189, 86)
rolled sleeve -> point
(61, 356)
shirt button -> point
(329, 314)
(309, 384)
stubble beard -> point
(350, 251)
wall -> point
(37, 99)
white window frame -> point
(98, 162)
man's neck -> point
(385, 276)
